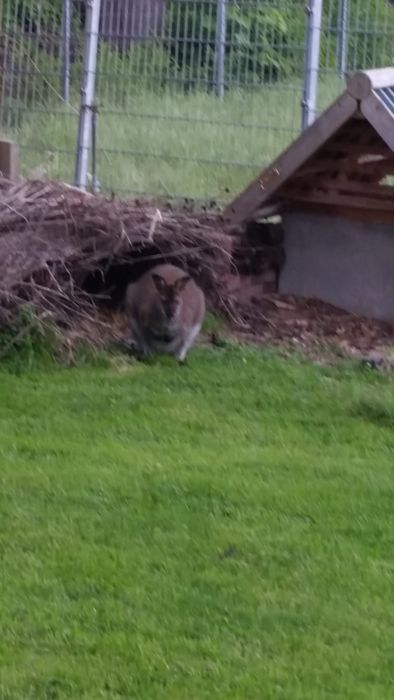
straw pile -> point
(53, 237)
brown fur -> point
(165, 310)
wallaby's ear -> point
(159, 282)
(181, 283)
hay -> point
(53, 237)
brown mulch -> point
(53, 238)
(310, 325)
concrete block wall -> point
(349, 264)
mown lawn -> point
(222, 531)
(168, 144)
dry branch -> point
(53, 236)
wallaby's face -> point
(170, 295)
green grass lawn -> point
(222, 531)
(169, 144)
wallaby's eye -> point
(159, 283)
(181, 283)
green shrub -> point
(121, 76)
(31, 14)
(369, 37)
(262, 41)
(265, 42)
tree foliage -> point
(261, 40)
(264, 40)
(30, 14)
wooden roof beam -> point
(258, 192)
(347, 212)
(365, 189)
(361, 84)
(335, 198)
(379, 116)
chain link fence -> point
(192, 97)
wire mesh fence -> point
(198, 109)
(36, 67)
(355, 34)
(192, 97)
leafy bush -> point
(30, 15)
(265, 41)
(369, 36)
(31, 48)
(262, 42)
(120, 77)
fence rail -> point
(191, 97)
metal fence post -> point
(312, 61)
(87, 103)
(66, 58)
(220, 47)
(342, 37)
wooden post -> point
(9, 159)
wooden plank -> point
(9, 159)
(344, 212)
(380, 117)
(321, 179)
(355, 127)
(361, 84)
(260, 190)
(379, 170)
(357, 149)
(359, 179)
(270, 210)
(364, 189)
(349, 134)
(323, 170)
(368, 190)
(336, 199)
(320, 167)
(358, 115)
(352, 174)
(348, 165)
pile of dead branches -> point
(53, 237)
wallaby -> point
(165, 310)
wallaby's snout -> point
(165, 310)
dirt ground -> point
(63, 251)
(312, 328)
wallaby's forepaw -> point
(143, 356)
(136, 352)
(129, 344)
(181, 357)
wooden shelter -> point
(332, 188)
